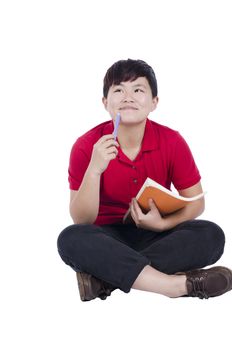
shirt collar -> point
(150, 138)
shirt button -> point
(135, 181)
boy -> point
(163, 255)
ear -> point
(155, 102)
(104, 101)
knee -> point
(65, 237)
(217, 239)
(217, 234)
(69, 237)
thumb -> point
(151, 203)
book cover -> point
(165, 200)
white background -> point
(54, 55)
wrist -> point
(171, 221)
(166, 225)
(92, 172)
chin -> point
(132, 120)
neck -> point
(131, 136)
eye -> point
(139, 90)
(118, 90)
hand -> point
(150, 221)
(104, 150)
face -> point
(132, 99)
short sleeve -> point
(78, 163)
(184, 169)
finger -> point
(152, 204)
(105, 138)
(136, 207)
(134, 218)
(110, 143)
(112, 150)
(137, 213)
(107, 144)
(133, 213)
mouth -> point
(128, 109)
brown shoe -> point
(206, 283)
(90, 287)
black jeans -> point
(117, 254)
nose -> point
(127, 97)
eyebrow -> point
(136, 85)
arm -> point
(191, 211)
(154, 221)
(84, 203)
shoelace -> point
(198, 284)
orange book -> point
(165, 200)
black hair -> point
(129, 70)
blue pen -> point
(117, 121)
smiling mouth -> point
(128, 108)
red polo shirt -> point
(164, 157)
